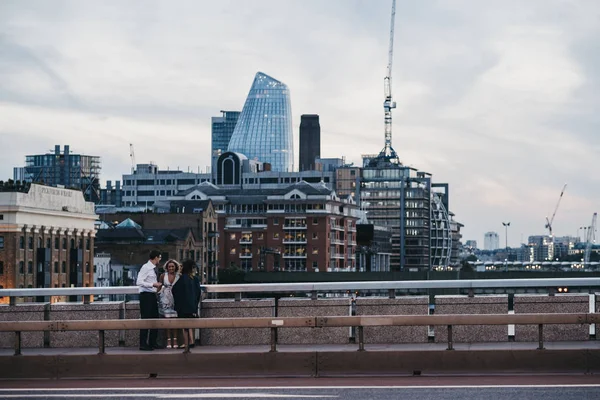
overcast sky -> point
(499, 99)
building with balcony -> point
(264, 128)
(296, 227)
(46, 237)
(62, 168)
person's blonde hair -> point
(177, 265)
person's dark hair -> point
(154, 254)
(187, 267)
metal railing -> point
(359, 322)
(315, 287)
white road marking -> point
(172, 396)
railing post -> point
(361, 339)
(101, 347)
(450, 343)
(17, 343)
(86, 298)
(12, 301)
(541, 336)
(238, 297)
(314, 295)
(273, 340)
(392, 293)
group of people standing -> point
(175, 293)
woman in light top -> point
(166, 307)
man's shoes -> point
(146, 348)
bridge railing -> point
(298, 322)
(313, 289)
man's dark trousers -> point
(148, 309)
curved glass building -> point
(264, 128)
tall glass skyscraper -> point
(222, 129)
(264, 129)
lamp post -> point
(506, 225)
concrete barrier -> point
(418, 305)
(486, 304)
(79, 311)
(23, 312)
(560, 303)
(236, 309)
(294, 307)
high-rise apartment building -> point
(63, 168)
(491, 241)
(221, 130)
(264, 128)
(310, 141)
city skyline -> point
(497, 99)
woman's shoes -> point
(169, 344)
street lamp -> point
(506, 225)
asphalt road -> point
(348, 393)
(578, 387)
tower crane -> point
(551, 220)
(132, 156)
(389, 104)
(590, 239)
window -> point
(56, 243)
(275, 221)
(232, 236)
(315, 221)
(315, 251)
(30, 243)
(30, 267)
(275, 235)
(56, 267)
(87, 267)
(64, 246)
(21, 266)
(95, 269)
(72, 243)
(315, 235)
(1, 217)
(63, 267)
(48, 243)
(1, 242)
(232, 250)
(315, 265)
(22, 242)
(87, 244)
(39, 246)
(260, 236)
(1, 267)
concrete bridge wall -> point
(299, 307)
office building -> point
(310, 141)
(149, 184)
(221, 130)
(64, 169)
(264, 128)
(491, 241)
(46, 237)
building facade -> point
(221, 131)
(264, 128)
(149, 184)
(64, 168)
(310, 141)
(46, 238)
(491, 241)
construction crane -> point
(132, 156)
(388, 104)
(590, 239)
(551, 220)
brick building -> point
(180, 230)
(46, 237)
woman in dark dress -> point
(186, 293)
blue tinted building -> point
(221, 131)
(264, 129)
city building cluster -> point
(253, 211)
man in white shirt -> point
(148, 287)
